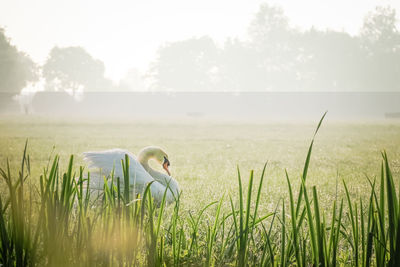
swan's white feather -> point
(107, 160)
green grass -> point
(333, 202)
(203, 154)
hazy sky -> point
(126, 34)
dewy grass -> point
(62, 224)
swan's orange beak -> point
(166, 165)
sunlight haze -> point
(125, 35)
(199, 133)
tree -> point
(72, 68)
(16, 68)
(276, 49)
(379, 30)
(188, 65)
(380, 40)
(330, 61)
(237, 66)
(269, 26)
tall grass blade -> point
(307, 163)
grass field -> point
(204, 155)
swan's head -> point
(156, 153)
(165, 163)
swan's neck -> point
(144, 157)
(147, 167)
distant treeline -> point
(279, 57)
(275, 56)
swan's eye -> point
(166, 165)
(166, 161)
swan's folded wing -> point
(109, 160)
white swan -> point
(140, 172)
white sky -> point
(126, 34)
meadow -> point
(205, 157)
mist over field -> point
(269, 54)
(200, 133)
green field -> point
(204, 155)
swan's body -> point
(140, 173)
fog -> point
(275, 66)
(203, 106)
